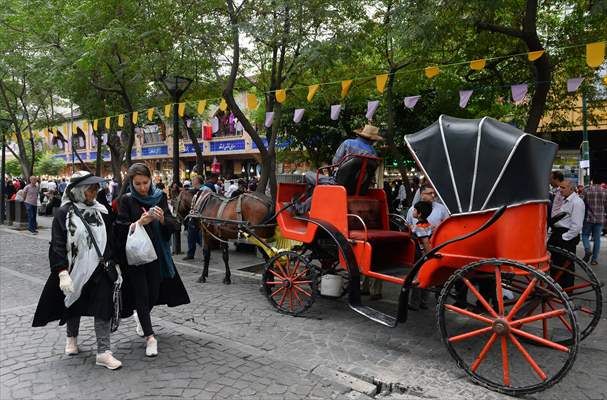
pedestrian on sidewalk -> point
(158, 282)
(193, 225)
(595, 199)
(31, 193)
(78, 285)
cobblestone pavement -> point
(230, 343)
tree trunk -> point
(99, 158)
(197, 148)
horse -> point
(252, 208)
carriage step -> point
(375, 315)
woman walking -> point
(78, 284)
(157, 282)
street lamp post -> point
(585, 144)
(2, 183)
(176, 86)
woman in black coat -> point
(78, 285)
(157, 282)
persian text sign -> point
(227, 145)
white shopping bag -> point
(139, 247)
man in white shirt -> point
(566, 232)
(439, 211)
(556, 179)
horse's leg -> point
(206, 254)
(226, 257)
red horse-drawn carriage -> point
(523, 333)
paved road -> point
(229, 343)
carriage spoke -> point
(298, 298)
(291, 300)
(580, 286)
(522, 299)
(301, 274)
(274, 293)
(301, 282)
(499, 294)
(540, 340)
(295, 267)
(468, 313)
(303, 291)
(282, 298)
(542, 316)
(483, 353)
(505, 366)
(276, 274)
(563, 320)
(544, 322)
(480, 297)
(470, 334)
(274, 283)
(528, 357)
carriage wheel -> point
(290, 282)
(486, 342)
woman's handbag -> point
(111, 270)
(139, 247)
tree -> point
(48, 165)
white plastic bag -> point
(139, 247)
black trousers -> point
(556, 239)
(145, 283)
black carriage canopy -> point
(482, 164)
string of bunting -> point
(595, 56)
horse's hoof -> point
(227, 281)
(202, 279)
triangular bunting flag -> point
(311, 92)
(104, 138)
(93, 141)
(107, 122)
(478, 65)
(371, 108)
(188, 123)
(121, 120)
(573, 84)
(95, 124)
(281, 96)
(60, 144)
(167, 110)
(380, 82)
(65, 130)
(74, 128)
(223, 105)
(534, 55)
(85, 125)
(214, 124)
(251, 101)
(595, 54)
(605, 80)
(81, 141)
(298, 115)
(119, 134)
(269, 119)
(345, 87)
(519, 92)
(181, 109)
(335, 110)
(40, 134)
(464, 97)
(201, 106)
(431, 72)
(411, 101)
(135, 117)
(150, 113)
(239, 126)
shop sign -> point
(154, 151)
(227, 145)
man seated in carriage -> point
(361, 145)
(439, 211)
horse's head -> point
(184, 203)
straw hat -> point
(369, 132)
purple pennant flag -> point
(335, 110)
(371, 108)
(119, 133)
(519, 92)
(239, 126)
(573, 84)
(411, 101)
(269, 119)
(93, 140)
(464, 97)
(214, 124)
(188, 123)
(298, 115)
(104, 138)
(81, 142)
(60, 143)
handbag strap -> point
(88, 228)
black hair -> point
(424, 209)
(558, 175)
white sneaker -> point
(107, 360)
(138, 329)
(71, 346)
(151, 349)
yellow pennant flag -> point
(605, 80)
(312, 91)
(121, 120)
(251, 101)
(201, 106)
(46, 133)
(380, 81)
(65, 129)
(534, 55)
(223, 105)
(135, 117)
(95, 124)
(281, 96)
(595, 54)
(478, 65)
(181, 109)
(74, 128)
(167, 110)
(108, 122)
(85, 125)
(431, 72)
(150, 113)
(54, 131)
(345, 87)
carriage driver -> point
(362, 144)
(194, 234)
